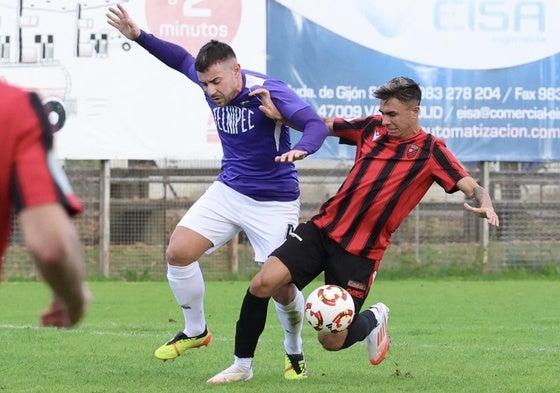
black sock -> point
(250, 325)
(361, 326)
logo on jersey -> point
(376, 135)
(233, 119)
(412, 151)
(357, 285)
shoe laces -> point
(297, 362)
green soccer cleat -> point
(180, 343)
(295, 367)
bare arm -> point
(485, 208)
(54, 245)
(329, 121)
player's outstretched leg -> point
(180, 343)
(378, 340)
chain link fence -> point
(146, 199)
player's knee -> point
(178, 256)
(261, 286)
(50, 255)
(186, 247)
(330, 341)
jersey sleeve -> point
(300, 114)
(36, 176)
(314, 130)
(285, 99)
(172, 55)
(354, 131)
(447, 170)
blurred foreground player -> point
(34, 187)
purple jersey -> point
(250, 140)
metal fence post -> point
(484, 227)
(104, 217)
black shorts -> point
(308, 251)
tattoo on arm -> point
(481, 196)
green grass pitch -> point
(447, 336)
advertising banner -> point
(489, 69)
(107, 96)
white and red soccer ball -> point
(329, 309)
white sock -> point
(187, 285)
(291, 319)
(246, 363)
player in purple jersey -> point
(256, 191)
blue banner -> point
(488, 69)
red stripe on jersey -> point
(39, 177)
(28, 175)
(388, 179)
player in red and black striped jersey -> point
(390, 176)
(396, 163)
(34, 187)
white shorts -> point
(222, 212)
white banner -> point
(111, 98)
(488, 68)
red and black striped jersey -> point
(29, 173)
(389, 178)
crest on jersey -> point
(412, 151)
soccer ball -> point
(329, 309)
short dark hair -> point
(211, 53)
(402, 88)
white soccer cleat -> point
(233, 373)
(378, 340)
